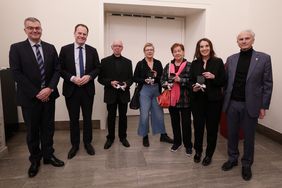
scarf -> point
(175, 90)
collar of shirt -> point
(33, 43)
(76, 46)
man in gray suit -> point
(247, 97)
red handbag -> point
(164, 99)
(224, 127)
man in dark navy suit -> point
(35, 67)
(247, 97)
(79, 67)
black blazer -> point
(109, 73)
(26, 71)
(142, 69)
(214, 90)
(68, 70)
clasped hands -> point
(197, 86)
(44, 94)
(118, 85)
(81, 81)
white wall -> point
(224, 19)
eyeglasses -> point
(33, 28)
(117, 46)
(149, 50)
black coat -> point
(214, 87)
(142, 69)
(110, 72)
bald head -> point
(117, 47)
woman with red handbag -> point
(176, 78)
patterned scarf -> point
(175, 90)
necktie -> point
(81, 66)
(40, 64)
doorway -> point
(136, 29)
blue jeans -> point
(150, 107)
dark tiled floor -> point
(137, 166)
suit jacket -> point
(109, 73)
(26, 71)
(259, 82)
(68, 70)
(214, 87)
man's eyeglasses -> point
(33, 28)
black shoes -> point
(72, 152)
(228, 165)
(246, 173)
(125, 142)
(206, 161)
(54, 161)
(197, 157)
(165, 138)
(33, 169)
(146, 141)
(175, 147)
(108, 144)
(188, 152)
(89, 149)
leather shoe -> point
(33, 169)
(246, 173)
(146, 141)
(229, 165)
(108, 144)
(89, 149)
(72, 152)
(197, 157)
(206, 161)
(165, 138)
(125, 142)
(54, 161)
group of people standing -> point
(242, 88)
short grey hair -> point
(247, 31)
(31, 19)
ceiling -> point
(151, 10)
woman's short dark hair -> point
(177, 45)
(198, 54)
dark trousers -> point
(39, 120)
(238, 117)
(206, 114)
(183, 115)
(122, 123)
(80, 98)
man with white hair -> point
(117, 77)
(247, 97)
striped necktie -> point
(40, 64)
(81, 65)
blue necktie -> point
(41, 65)
(81, 66)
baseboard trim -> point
(270, 133)
(64, 125)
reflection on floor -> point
(137, 166)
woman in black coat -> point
(207, 80)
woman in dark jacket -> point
(176, 78)
(147, 74)
(207, 80)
